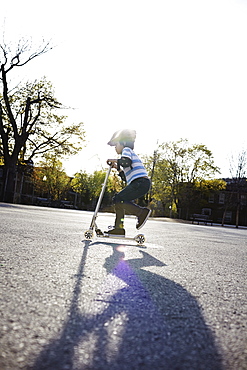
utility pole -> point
(155, 157)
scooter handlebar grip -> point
(110, 162)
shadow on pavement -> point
(140, 321)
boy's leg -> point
(119, 221)
(124, 202)
(131, 208)
(135, 190)
(142, 214)
(121, 207)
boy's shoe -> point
(142, 219)
(115, 231)
(99, 232)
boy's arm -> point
(124, 162)
(122, 175)
(118, 163)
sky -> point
(168, 69)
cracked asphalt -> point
(178, 302)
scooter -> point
(89, 234)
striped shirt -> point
(138, 170)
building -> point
(228, 206)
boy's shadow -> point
(150, 322)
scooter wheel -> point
(88, 234)
(140, 239)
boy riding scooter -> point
(131, 170)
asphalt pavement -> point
(178, 302)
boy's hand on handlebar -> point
(112, 162)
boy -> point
(131, 170)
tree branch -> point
(4, 135)
(16, 61)
(7, 103)
(4, 54)
(25, 121)
(43, 147)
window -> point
(222, 198)
(228, 217)
(211, 198)
(243, 200)
(206, 211)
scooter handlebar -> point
(111, 162)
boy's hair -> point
(128, 144)
(125, 137)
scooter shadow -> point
(143, 321)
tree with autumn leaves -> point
(89, 186)
(182, 173)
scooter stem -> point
(100, 198)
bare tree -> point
(238, 165)
(29, 123)
(238, 170)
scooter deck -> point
(139, 239)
